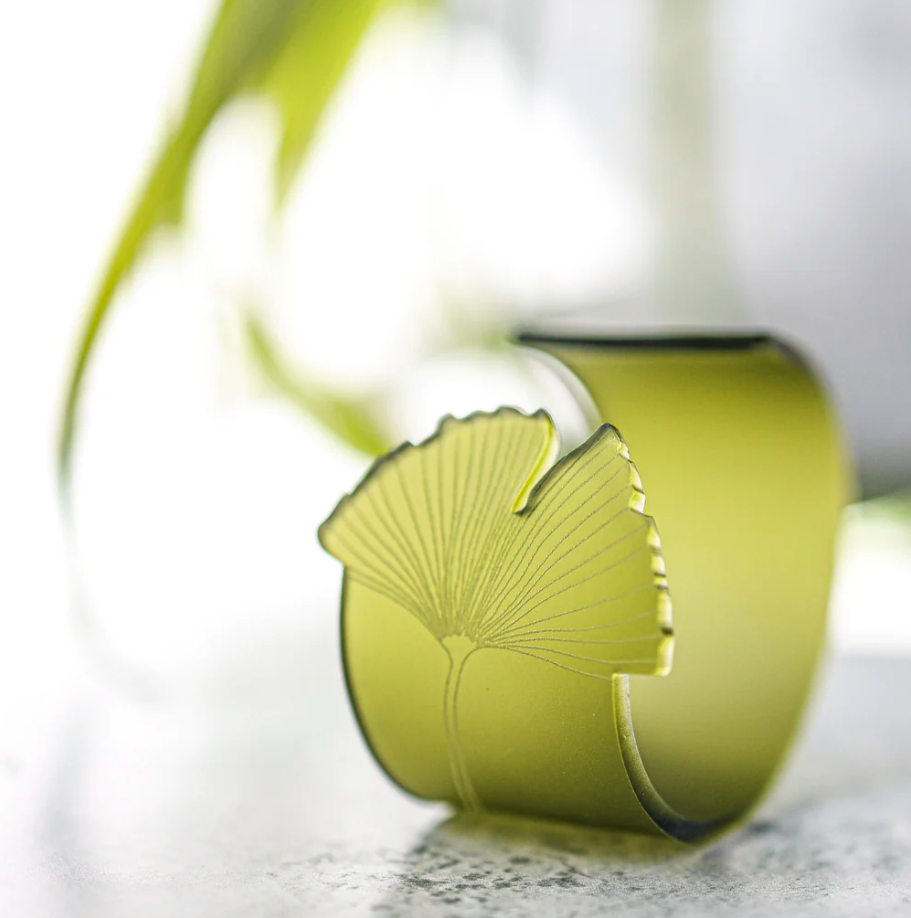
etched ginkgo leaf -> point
(488, 544)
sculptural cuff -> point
(508, 637)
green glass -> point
(505, 615)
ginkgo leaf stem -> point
(459, 650)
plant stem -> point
(459, 651)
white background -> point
(197, 500)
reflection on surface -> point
(474, 858)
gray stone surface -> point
(246, 791)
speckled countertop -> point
(248, 792)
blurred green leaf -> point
(294, 51)
(307, 70)
(348, 419)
